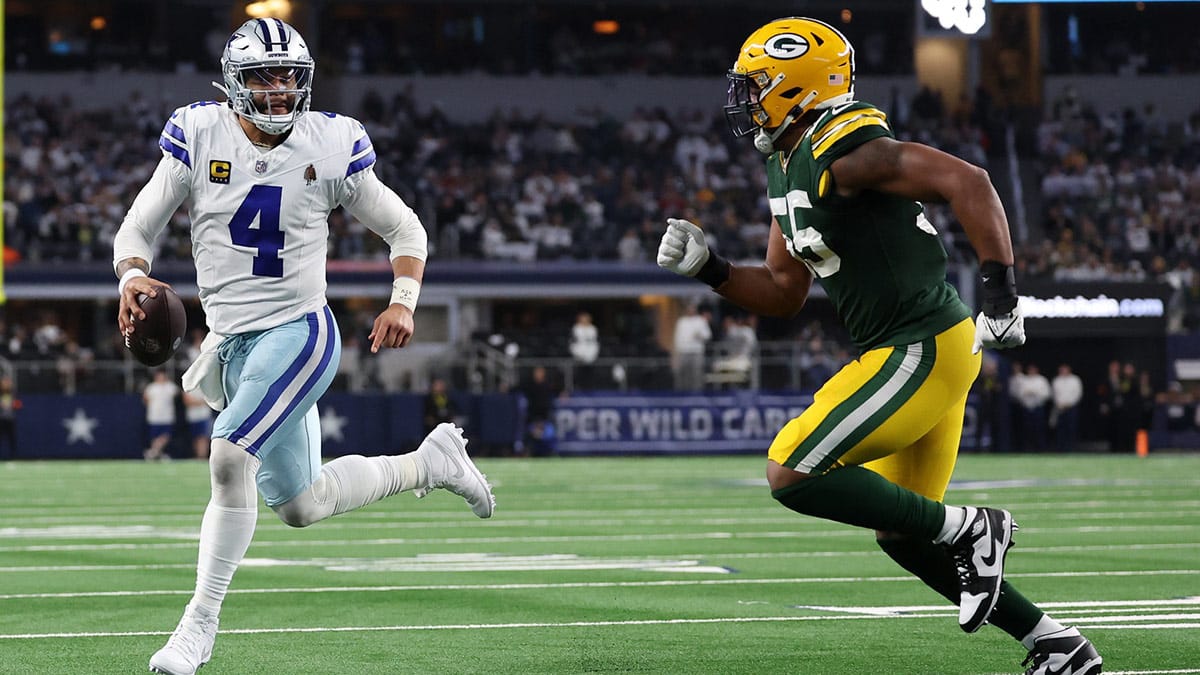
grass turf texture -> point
(629, 565)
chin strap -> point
(764, 141)
(222, 88)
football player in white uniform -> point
(260, 174)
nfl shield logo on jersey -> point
(260, 166)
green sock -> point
(857, 496)
(929, 562)
(1014, 613)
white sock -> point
(351, 482)
(956, 517)
(225, 534)
(1044, 627)
(228, 524)
(365, 480)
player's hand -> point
(682, 249)
(393, 328)
(129, 306)
(999, 332)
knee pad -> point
(232, 471)
(308, 507)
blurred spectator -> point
(199, 421)
(692, 334)
(1179, 408)
(9, 404)
(991, 434)
(1126, 409)
(540, 435)
(1068, 392)
(1111, 399)
(438, 406)
(585, 349)
(1146, 401)
(159, 398)
(1032, 391)
(740, 342)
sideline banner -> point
(724, 422)
(688, 424)
(112, 426)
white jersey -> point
(259, 216)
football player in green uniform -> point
(878, 445)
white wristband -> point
(405, 291)
(131, 273)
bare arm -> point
(395, 325)
(127, 264)
(778, 287)
(927, 174)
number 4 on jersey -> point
(263, 202)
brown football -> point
(155, 338)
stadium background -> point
(543, 145)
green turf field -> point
(631, 565)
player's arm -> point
(778, 287)
(922, 173)
(927, 174)
(133, 245)
(386, 214)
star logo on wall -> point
(332, 425)
(80, 426)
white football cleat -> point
(189, 647)
(444, 452)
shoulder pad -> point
(841, 129)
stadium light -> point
(261, 9)
(606, 27)
(966, 17)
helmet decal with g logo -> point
(786, 46)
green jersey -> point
(878, 258)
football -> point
(155, 338)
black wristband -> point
(999, 288)
(715, 270)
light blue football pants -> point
(273, 379)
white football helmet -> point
(272, 55)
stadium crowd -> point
(1119, 195)
(517, 187)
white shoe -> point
(189, 647)
(444, 452)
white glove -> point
(682, 249)
(999, 332)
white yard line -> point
(152, 533)
(1172, 602)
(537, 624)
(1145, 499)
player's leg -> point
(825, 462)
(267, 377)
(353, 481)
(871, 408)
(925, 467)
(285, 430)
(225, 534)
